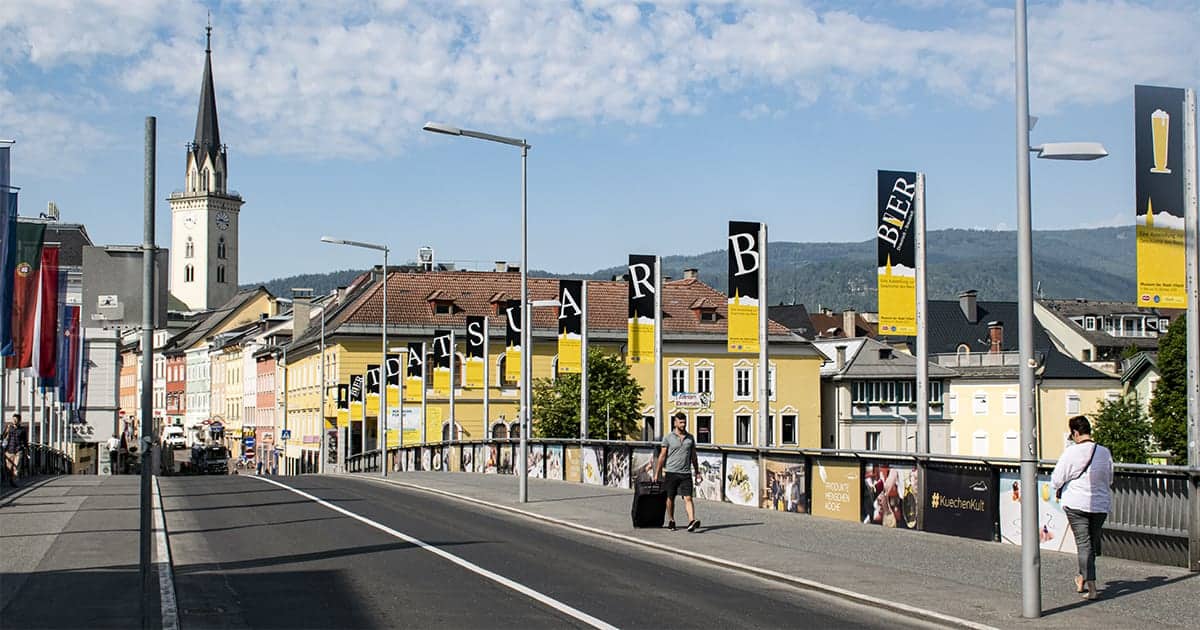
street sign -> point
(690, 400)
(249, 442)
(285, 434)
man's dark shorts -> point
(677, 484)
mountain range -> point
(1093, 263)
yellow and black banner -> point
(897, 253)
(343, 405)
(642, 290)
(414, 377)
(570, 326)
(477, 330)
(1158, 167)
(443, 353)
(512, 341)
(372, 386)
(745, 262)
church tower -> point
(204, 217)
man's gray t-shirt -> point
(679, 452)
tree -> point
(1123, 427)
(1168, 407)
(612, 393)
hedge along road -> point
(335, 552)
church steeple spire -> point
(208, 135)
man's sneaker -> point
(671, 525)
(693, 526)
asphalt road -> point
(248, 554)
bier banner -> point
(1158, 175)
(343, 405)
(642, 289)
(356, 388)
(745, 262)
(372, 383)
(512, 341)
(897, 253)
(442, 355)
(570, 326)
(414, 374)
(477, 330)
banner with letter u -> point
(1159, 127)
(745, 265)
(570, 326)
(512, 341)
(896, 253)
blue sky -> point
(651, 124)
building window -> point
(979, 445)
(906, 391)
(771, 383)
(704, 429)
(704, 377)
(501, 371)
(980, 405)
(221, 248)
(1112, 396)
(953, 404)
(859, 392)
(443, 308)
(1011, 446)
(1072, 404)
(743, 389)
(935, 392)
(221, 273)
(743, 429)
(872, 441)
(189, 273)
(648, 428)
(788, 423)
(189, 248)
(678, 380)
(954, 444)
(1010, 404)
(1085, 354)
(770, 441)
(1089, 323)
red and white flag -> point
(45, 321)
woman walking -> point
(1082, 481)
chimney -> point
(996, 336)
(301, 306)
(966, 302)
(841, 357)
(501, 266)
(691, 273)
(850, 323)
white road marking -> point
(474, 568)
(166, 582)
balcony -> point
(979, 359)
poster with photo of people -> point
(741, 479)
(643, 464)
(505, 467)
(889, 494)
(492, 464)
(710, 476)
(410, 459)
(592, 465)
(783, 485)
(616, 472)
(1055, 533)
(535, 460)
(468, 458)
(572, 464)
(554, 462)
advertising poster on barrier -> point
(436, 458)
(960, 502)
(741, 479)
(536, 460)
(505, 466)
(616, 472)
(710, 476)
(836, 491)
(783, 485)
(889, 494)
(480, 457)
(467, 463)
(410, 459)
(592, 465)
(492, 463)
(1055, 535)
(426, 458)
(572, 466)
(554, 462)
(643, 464)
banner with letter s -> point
(477, 330)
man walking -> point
(114, 453)
(14, 442)
(678, 456)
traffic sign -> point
(285, 434)
(249, 442)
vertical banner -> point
(442, 354)
(1158, 176)
(570, 326)
(512, 341)
(395, 368)
(27, 259)
(372, 382)
(45, 325)
(896, 253)
(413, 373)
(8, 260)
(343, 405)
(642, 290)
(745, 256)
(477, 330)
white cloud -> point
(359, 79)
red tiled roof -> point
(475, 292)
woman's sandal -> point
(1079, 584)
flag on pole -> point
(27, 260)
(8, 263)
(45, 325)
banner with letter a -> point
(414, 372)
(1159, 125)
(745, 263)
(477, 330)
(643, 287)
(570, 326)
(896, 253)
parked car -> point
(174, 437)
(210, 460)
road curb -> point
(166, 574)
(922, 613)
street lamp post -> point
(523, 421)
(381, 421)
(1031, 585)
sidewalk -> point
(70, 553)
(972, 580)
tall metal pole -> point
(424, 404)
(324, 431)
(922, 337)
(1031, 559)
(526, 334)
(5, 163)
(450, 424)
(487, 369)
(659, 416)
(765, 432)
(381, 422)
(1191, 235)
(147, 366)
(583, 373)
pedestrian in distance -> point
(678, 457)
(1082, 481)
(13, 442)
(114, 453)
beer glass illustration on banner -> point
(1160, 125)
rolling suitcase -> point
(649, 504)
